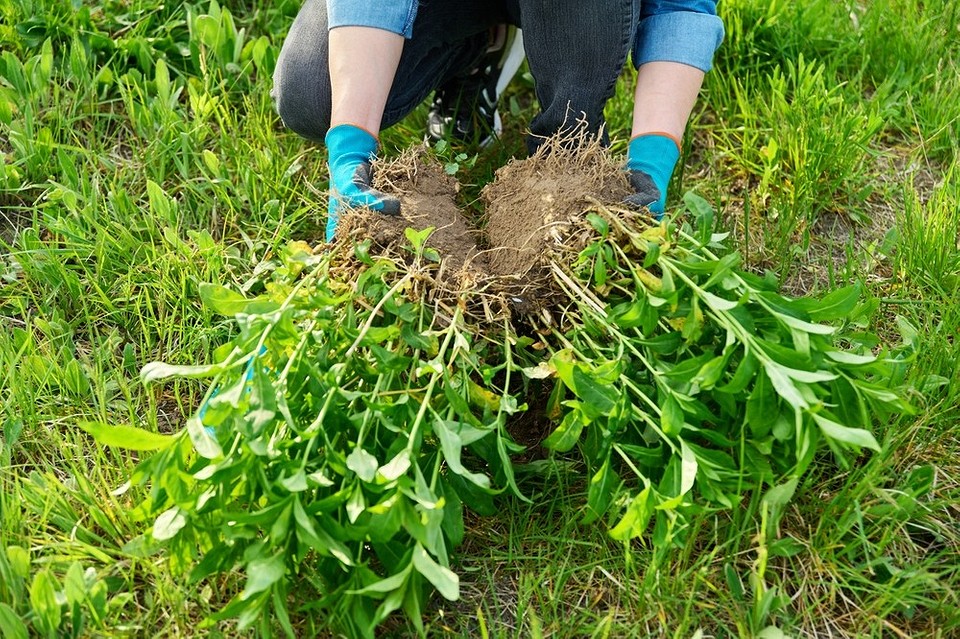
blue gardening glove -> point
(651, 158)
(350, 150)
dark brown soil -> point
(532, 207)
(428, 199)
(533, 201)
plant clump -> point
(368, 396)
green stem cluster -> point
(697, 378)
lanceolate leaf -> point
(168, 524)
(784, 385)
(688, 468)
(10, 624)
(809, 327)
(129, 437)
(263, 573)
(600, 492)
(636, 518)
(443, 579)
(566, 435)
(156, 371)
(780, 495)
(222, 300)
(203, 440)
(452, 445)
(845, 434)
(835, 305)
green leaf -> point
(222, 300)
(851, 359)
(801, 325)
(18, 558)
(295, 483)
(566, 435)
(443, 579)
(356, 504)
(671, 416)
(599, 224)
(168, 524)
(11, 627)
(718, 304)
(395, 468)
(418, 239)
(262, 573)
(772, 632)
(74, 585)
(43, 601)
(762, 409)
(203, 440)
(780, 496)
(160, 204)
(156, 371)
(601, 396)
(127, 437)
(563, 363)
(75, 379)
(652, 254)
(452, 446)
(318, 538)
(688, 468)
(636, 518)
(603, 484)
(392, 583)
(363, 464)
(834, 306)
(784, 385)
(723, 267)
(852, 436)
(664, 344)
(702, 212)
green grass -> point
(141, 157)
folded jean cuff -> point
(396, 17)
(681, 36)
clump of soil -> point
(534, 213)
(427, 199)
(533, 203)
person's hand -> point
(651, 158)
(350, 150)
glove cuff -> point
(653, 153)
(351, 140)
(662, 134)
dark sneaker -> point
(465, 108)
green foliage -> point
(48, 605)
(927, 252)
(803, 169)
(334, 434)
(151, 161)
(343, 434)
(699, 381)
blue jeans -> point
(575, 57)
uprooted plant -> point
(331, 443)
(365, 401)
(696, 379)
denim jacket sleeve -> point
(391, 15)
(685, 31)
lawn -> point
(161, 240)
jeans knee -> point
(302, 101)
